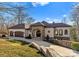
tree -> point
(75, 18)
(3, 26)
(73, 34)
(12, 15)
(18, 12)
(29, 20)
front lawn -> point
(16, 49)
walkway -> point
(64, 52)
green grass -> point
(15, 49)
(75, 46)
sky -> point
(51, 11)
(47, 11)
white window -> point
(60, 31)
(56, 32)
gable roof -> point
(19, 26)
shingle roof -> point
(38, 24)
(19, 26)
(48, 25)
(58, 25)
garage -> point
(11, 33)
(19, 34)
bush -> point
(75, 46)
(47, 37)
(29, 37)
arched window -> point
(60, 32)
(66, 32)
(56, 32)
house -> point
(41, 29)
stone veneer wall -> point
(65, 43)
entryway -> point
(38, 33)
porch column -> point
(24, 35)
(14, 33)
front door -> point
(38, 33)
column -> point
(24, 34)
(13, 33)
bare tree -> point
(18, 11)
(75, 18)
(29, 20)
(3, 26)
(18, 15)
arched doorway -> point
(38, 33)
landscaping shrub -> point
(75, 46)
(47, 38)
(29, 37)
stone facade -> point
(38, 28)
(42, 29)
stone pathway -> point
(64, 52)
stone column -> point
(14, 34)
(24, 35)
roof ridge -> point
(42, 23)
